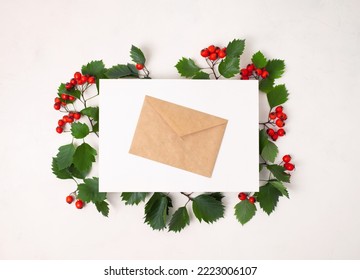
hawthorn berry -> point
(211, 49)
(264, 74)
(272, 116)
(71, 114)
(139, 66)
(244, 72)
(59, 129)
(252, 199)
(57, 106)
(204, 53)
(64, 96)
(281, 132)
(69, 199)
(61, 123)
(270, 131)
(283, 117)
(222, 54)
(71, 98)
(213, 56)
(250, 68)
(286, 158)
(259, 72)
(73, 82)
(79, 204)
(279, 109)
(77, 75)
(242, 196)
(245, 78)
(57, 100)
(91, 80)
(279, 123)
(65, 118)
(83, 79)
(77, 116)
(275, 136)
(70, 119)
(289, 166)
(68, 86)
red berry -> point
(244, 77)
(270, 131)
(80, 82)
(213, 56)
(221, 54)
(77, 75)
(84, 79)
(279, 114)
(279, 123)
(204, 53)
(64, 96)
(77, 115)
(69, 199)
(242, 196)
(259, 72)
(283, 116)
(286, 158)
(71, 98)
(68, 86)
(289, 166)
(73, 82)
(65, 118)
(281, 132)
(59, 129)
(244, 72)
(71, 114)
(252, 199)
(279, 109)
(61, 122)
(91, 80)
(57, 106)
(70, 119)
(212, 49)
(57, 100)
(79, 204)
(272, 116)
(265, 74)
(139, 66)
(275, 136)
(217, 49)
(250, 67)
(224, 49)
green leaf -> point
(276, 68)
(156, 210)
(266, 85)
(278, 95)
(217, 195)
(201, 76)
(268, 150)
(207, 208)
(118, 71)
(79, 130)
(132, 198)
(280, 187)
(259, 60)
(84, 156)
(133, 69)
(179, 220)
(187, 67)
(64, 157)
(92, 112)
(229, 67)
(89, 191)
(235, 48)
(96, 127)
(62, 89)
(268, 197)
(244, 211)
(102, 207)
(60, 173)
(94, 68)
(279, 172)
(76, 173)
(137, 55)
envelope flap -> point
(183, 120)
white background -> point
(45, 42)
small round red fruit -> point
(79, 204)
(61, 123)
(289, 166)
(57, 100)
(73, 82)
(139, 66)
(77, 75)
(84, 79)
(264, 74)
(244, 72)
(71, 98)
(211, 49)
(204, 53)
(270, 131)
(70, 119)
(250, 67)
(279, 109)
(275, 136)
(77, 116)
(279, 123)
(252, 199)
(91, 80)
(64, 96)
(59, 129)
(68, 86)
(221, 54)
(244, 78)
(259, 72)
(281, 132)
(242, 196)
(213, 56)
(286, 158)
(272, 116)
(69, 199)
(57, 106)
(283, 116)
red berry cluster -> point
(69, 118)
(252, 72)
(244, 196)
(278, 118)
(79, 79)
(213, 53)
(79, 204)
(287, 164)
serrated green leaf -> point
(201, 76)
(259, 60)
(89, 191)
(207, 208)
(156, 211)
(102, 207)
(96, 127)
(217, 195)
(280, 187)
(266, 85)
(277, 96)
(133, 69)
(137, 55)
(279, 172)
(179, 220)
(268, 150)
(94, 68)
(118, 71)
(92, 112)
(83, 158)
(235, 48)
(244, 211)
(132, 198)
(64, 157)
(79, 130)
(229, 67)
(276, 68)
(60, 173)
(187, 67)
(76, 173)
(263, 140)
(268, 197)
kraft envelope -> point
(178, 136)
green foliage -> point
(235, 48)
(137, 55)
(280, 187)
(268, 150)
(62, 89)
(83, 158)
(276, 68)
(121, 71)
(266, 85)
(207, 208)
(244, 211)
(179, 220)
(229, 67)
(64, 157)
(279, 172)
(94, 68)
(277, 96)
(76, 173)
(91, 112)
(132, 198)
(259, 60)
(102, 207)
(60, 173)
(157, 210)
(79, 130)
(201, 76)
(89, 191)
(187, 67)
(268, 197)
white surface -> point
(45, 42)
(237, 165)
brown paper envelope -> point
(178, 136)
